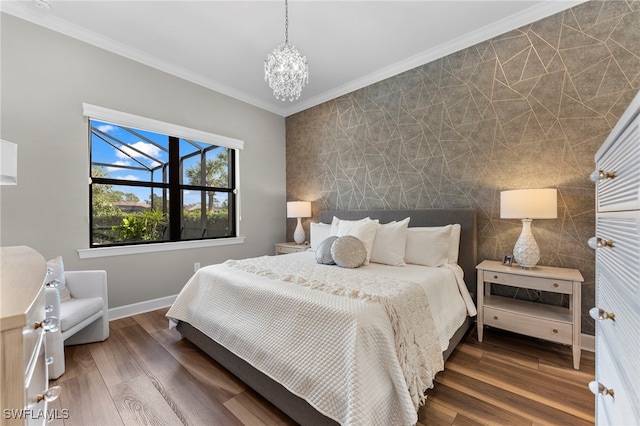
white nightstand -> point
(539, 320)
(286, 248)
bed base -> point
(292, 405)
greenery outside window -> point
(151, 187)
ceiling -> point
(222, 45)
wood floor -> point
(146, 374)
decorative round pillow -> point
(348, 252)
(323, 252)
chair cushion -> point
(75, 311)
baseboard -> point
(588, 342)
(141, 307)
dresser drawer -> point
(622, 158)
(622, 408)
(620, 335)
(36, 384)
(621, 261)
(560, 332)
(30, 334)
(536, 283)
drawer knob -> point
(53, 283)
(555, 331)
(48, 308)
(50, 394)
(601, 314)
(598, 388)
(48, 324)
(597, 242)
(555, 285)
(50, 360)
(495, 317)
(495, 277)
(598, 175)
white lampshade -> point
(8, 163)
(298, 209)
(529, 204)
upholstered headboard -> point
(468, 256)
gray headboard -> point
(429, 217)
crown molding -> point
(21, 10)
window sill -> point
(153, 248)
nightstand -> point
(286, 248)
(548, 322)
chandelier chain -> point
(286, 21)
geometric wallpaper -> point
(527, 109)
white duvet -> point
(337, 352)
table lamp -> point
(528, 204)
(298, 209)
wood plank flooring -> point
(146, 374)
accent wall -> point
(527, 109)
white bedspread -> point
(336, 352)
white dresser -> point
(617, 244)
(23, 367)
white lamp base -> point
(298, 234)
(526, 251)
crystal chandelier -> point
(285, 69)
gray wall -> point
(46, 77)
(527, 109)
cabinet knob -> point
(597, 242)
(495, 317)
(601, 314)
(598, 388)
(50, 360)
(48, 324)
(555, 331)
(599, 175)
(495, 277)
(48, 308)
(50, 394)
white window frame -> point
(99, 113)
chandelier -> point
(285, 69)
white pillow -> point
(390, 243)
(454, 243)
(335, 223)
(318, 233)
(55, 271)
(428, 246)
(364, 229)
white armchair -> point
(83, 319)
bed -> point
(269, 323)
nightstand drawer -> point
(286, 248)
(536, 283)
(536, 327)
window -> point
(150, 186)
